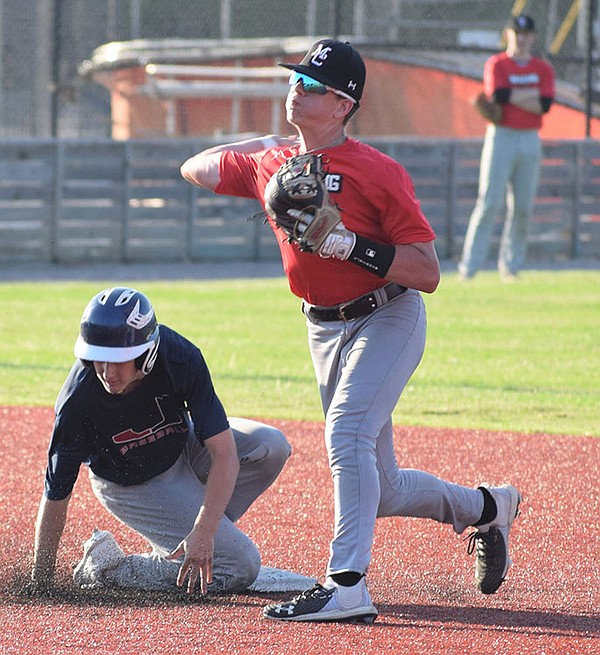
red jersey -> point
(376, 199)
(503, 72)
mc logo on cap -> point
(319, 55)
(335, 64)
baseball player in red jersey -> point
(523, 85)
(365, 317)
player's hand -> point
(297, 201)
(338, 243)
(197, 566)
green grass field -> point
(521, 357)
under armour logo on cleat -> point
(288, 609)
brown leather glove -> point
(489, 109)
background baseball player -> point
(140, 409)
(520, 89)
(357, 249)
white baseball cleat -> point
(328, 602)
(490, 541)
(101, 553)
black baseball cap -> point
(522, 23)
(336, 64)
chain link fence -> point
(43, 42)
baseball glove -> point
(489, 109)
(297, 199)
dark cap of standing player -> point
(336, 64)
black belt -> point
(362, 306)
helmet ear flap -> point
(145, 363)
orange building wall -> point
(399, 100)
(410, 100)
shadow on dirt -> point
(519, 621)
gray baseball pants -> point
(362, 367)
(164, 509)
(510, 167)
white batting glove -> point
(304, 219)
(339, 243)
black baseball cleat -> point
(490, 541)
(331, 602)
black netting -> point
(43, 42)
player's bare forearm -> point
(203, 169)
(197, 548)
(220, 483)
(51, 519)
(527, 99)
(416, 266)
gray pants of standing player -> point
(164, 509)
(510, 167)
(362, 367)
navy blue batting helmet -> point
(119, 325)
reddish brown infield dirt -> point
(421, 577)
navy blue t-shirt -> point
(134, 437)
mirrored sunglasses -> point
(311, 85)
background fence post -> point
(59, 169)
(451, 200)
(577, 190)
(124, 223)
